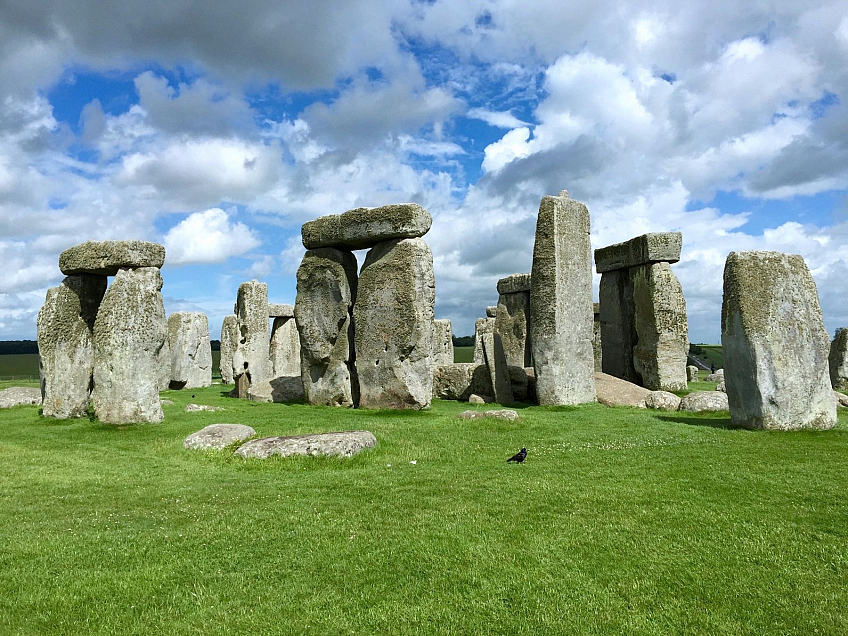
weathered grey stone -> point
(530, 372)
(507, 415)
(662, 401)
(285, 348)
(714, 377)
(561, 303)
(662, 330)
(218, 436)
(482, 326)
(704, 401)
(515, 284)
(198, 408)
(597, 347)
(480, 399)
(278, 310)
(65, 348)
(657, 247)
(513, 324)
(252, 353)
(612, 391)
(163, 363)
(363, 228)
(242, 385)
(519, 381)
(344, 444)
(129, 332)
(107, 257)
(841, 399)
(838, 360)
(618, 325)
(229, 342)
(461, 380)
(498, 369)
(19, 396)
(284, 389)
(774, 343)
(691, 373)
(442, 342)
(721, 386)
(191, 351)
(492, 311)
(393, 314)
(326, 290)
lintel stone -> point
(363, 228)
(107, 257)
(514, 284)
(654, 247)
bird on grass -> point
(519, 456)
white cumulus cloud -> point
(208, 237)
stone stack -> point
(387, 314)
(644, 330)
(285, 342)
(512, 322)
(838, 360)
(442, 342)
(774, 343)
(252, 352)
(110, 339)
(190, 348)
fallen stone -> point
(721, 386)
(498, 368)
(612, 391)
(218, 436)
(442, 342)
(460, 381)
(165, 402)
(841, 399)
(704, 401)
(718, 376)
(252, 352)
(197, 408)
(838, 360)
(512, 324)
(191, 351)
(515, 284)
(500, 414)
(480, 399)
(19, 396)
(344, 444)
(364, 228)
(662, 401)
(482, 326)
(691, 373)
(278, 310)
(775, 344)
(229, 342)
(283, 389)
(656, 247)
(107, 257)
(285, 348)
(492, 311)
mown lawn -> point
(620, 521)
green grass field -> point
(463, 354)
(620, 521)
(712, 354)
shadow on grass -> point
(723, 422)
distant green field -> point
(463, 354)
(25, 365)
(710, 354)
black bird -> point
(518, 457)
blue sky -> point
(218, 129)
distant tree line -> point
(463, 341)
(18, 346)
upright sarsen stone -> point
(229, 342)
(129, 332)
(326, 291)
(597, 346)
(774, 343)
(65, 348)
(561, 303)
(838, 360)
(618, 331)
(285, 347)
(252, 353)
(513, 320)
(442, 342)
(191, 351)
(482, 326)
(393, 314)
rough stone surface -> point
(774, 343)
(614, 391)
(618, 327)
(218, 436)
(242, 384)
(838, 360)
(442, 342)
(513, 324)
(841, 399)
(198, 408)
(252, 353)
(597, 346)
(191, 351)
(721, 386)
(229, 342)
(129, 332)
(500, 414)
(662, 330)
(461, 380)
(326, 290)
(107, 257)
(662, 401)
(284, 389)
(492, 311)
(363, 228)
(704, 401)
(163, 363)
(519, 381)
(498, 370)
(691, 373)
(482, 326)
(285, 348)
(515, 284)
(65, 344)
(393, 314)
(19, 396)
(278, 310)
(344, 444)
(657, 247)
(561, 303)
(480, 399)
(530, 372)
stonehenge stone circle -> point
(65, 327)
(252, 353)
(512, 322)
(191, 351)
(498, 369)
(393, 317)
(229, 341)
(366, 227)
(129, 332)
(692, 373)
(285, 347)
(442, 342)
(597, 348)
(107, 257)
(481, 327)
(561, 303)
(775, 344)
(838, 360)
(326, 291)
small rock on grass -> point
(217, 436)
(195, 408)
(480, 399)
(841, 399)
(499, 414)
(662, 401)
(165, 402)
(704, 401)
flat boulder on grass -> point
(107, 257)
(363, 228)
(662, 401)
(497, 414)
(217, 436)
(841, 399)
(282, 389)
(612, 391)
(342, 444)
(19, 396)
(704, 402)
(198, 408)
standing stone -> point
(513, 319)
(774, 343)
(561, 303)
(481, 327)
(498, 369)
(191, 351)
(252, 351)
(662, 331)
(838, 360)
(597, 347)
(65, 349)
(393, 314)
(326, 291)
(229, 342)
(442, 342)
(164, 365)
(285, 348)
(692, 373)
(618, 325)
(128, 334)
